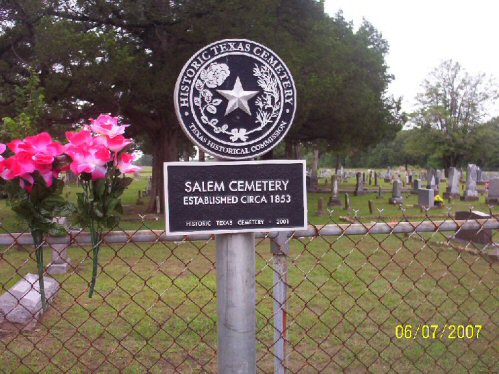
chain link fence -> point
(403, 296)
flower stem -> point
(37, 236)
(95, 251)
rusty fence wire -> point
(402, 296)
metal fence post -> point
(280, 249)
(236, 303)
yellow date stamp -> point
(446, 331)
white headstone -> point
(22, 303)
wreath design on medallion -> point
(268, 103)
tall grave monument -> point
(452, 190)
(359, 186)
(235, 99)
(334, 200)
(470, 192)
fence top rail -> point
(151, 236)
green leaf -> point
(52, 202)
(57, 230)
(97, 210)
(118, 208)
(120, 185)
(112, 222)
(99, 187)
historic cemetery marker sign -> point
(235, 99)
(239, 196)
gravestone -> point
(479, 236)
(431, 180)
(371, 206)
(347, 201)
(396, 193)
(416, 186)
(333, 199)
(61, 262)
(410, 177)
(370, 177)
(320, 207)
(363, 177)
(407, 179)
(139, 197)
(493, 196)
(470, 192)
(376, 183)
(380, 193)
(359, 187)
(429, 175)
(426, 198)
(22, 303)
(388, 175)
(479, 177)
(452, 190)
(438, 177)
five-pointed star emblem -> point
(238, 98)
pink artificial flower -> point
(14, 145)
(3, 147)
(40, 143)
(40, 148)
(82, 139)
(117, 143)
(125, 164)
(90, 160)
(107, 125)
(79, 138)
(34, 153)
(18, 165)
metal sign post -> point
(236, 303)
(235, 99)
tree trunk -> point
(288, 147)
(315, 167)
(298, 151)
(165, 149)
(185, 155)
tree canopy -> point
(124, 56)
(451, 105)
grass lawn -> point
(359, 206)
(155, 303)
(155, 308)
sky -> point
(423, 33)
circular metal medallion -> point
(235, 99)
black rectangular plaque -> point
(239, 196)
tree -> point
(451, 104)
(124, 57)
(486, 145)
